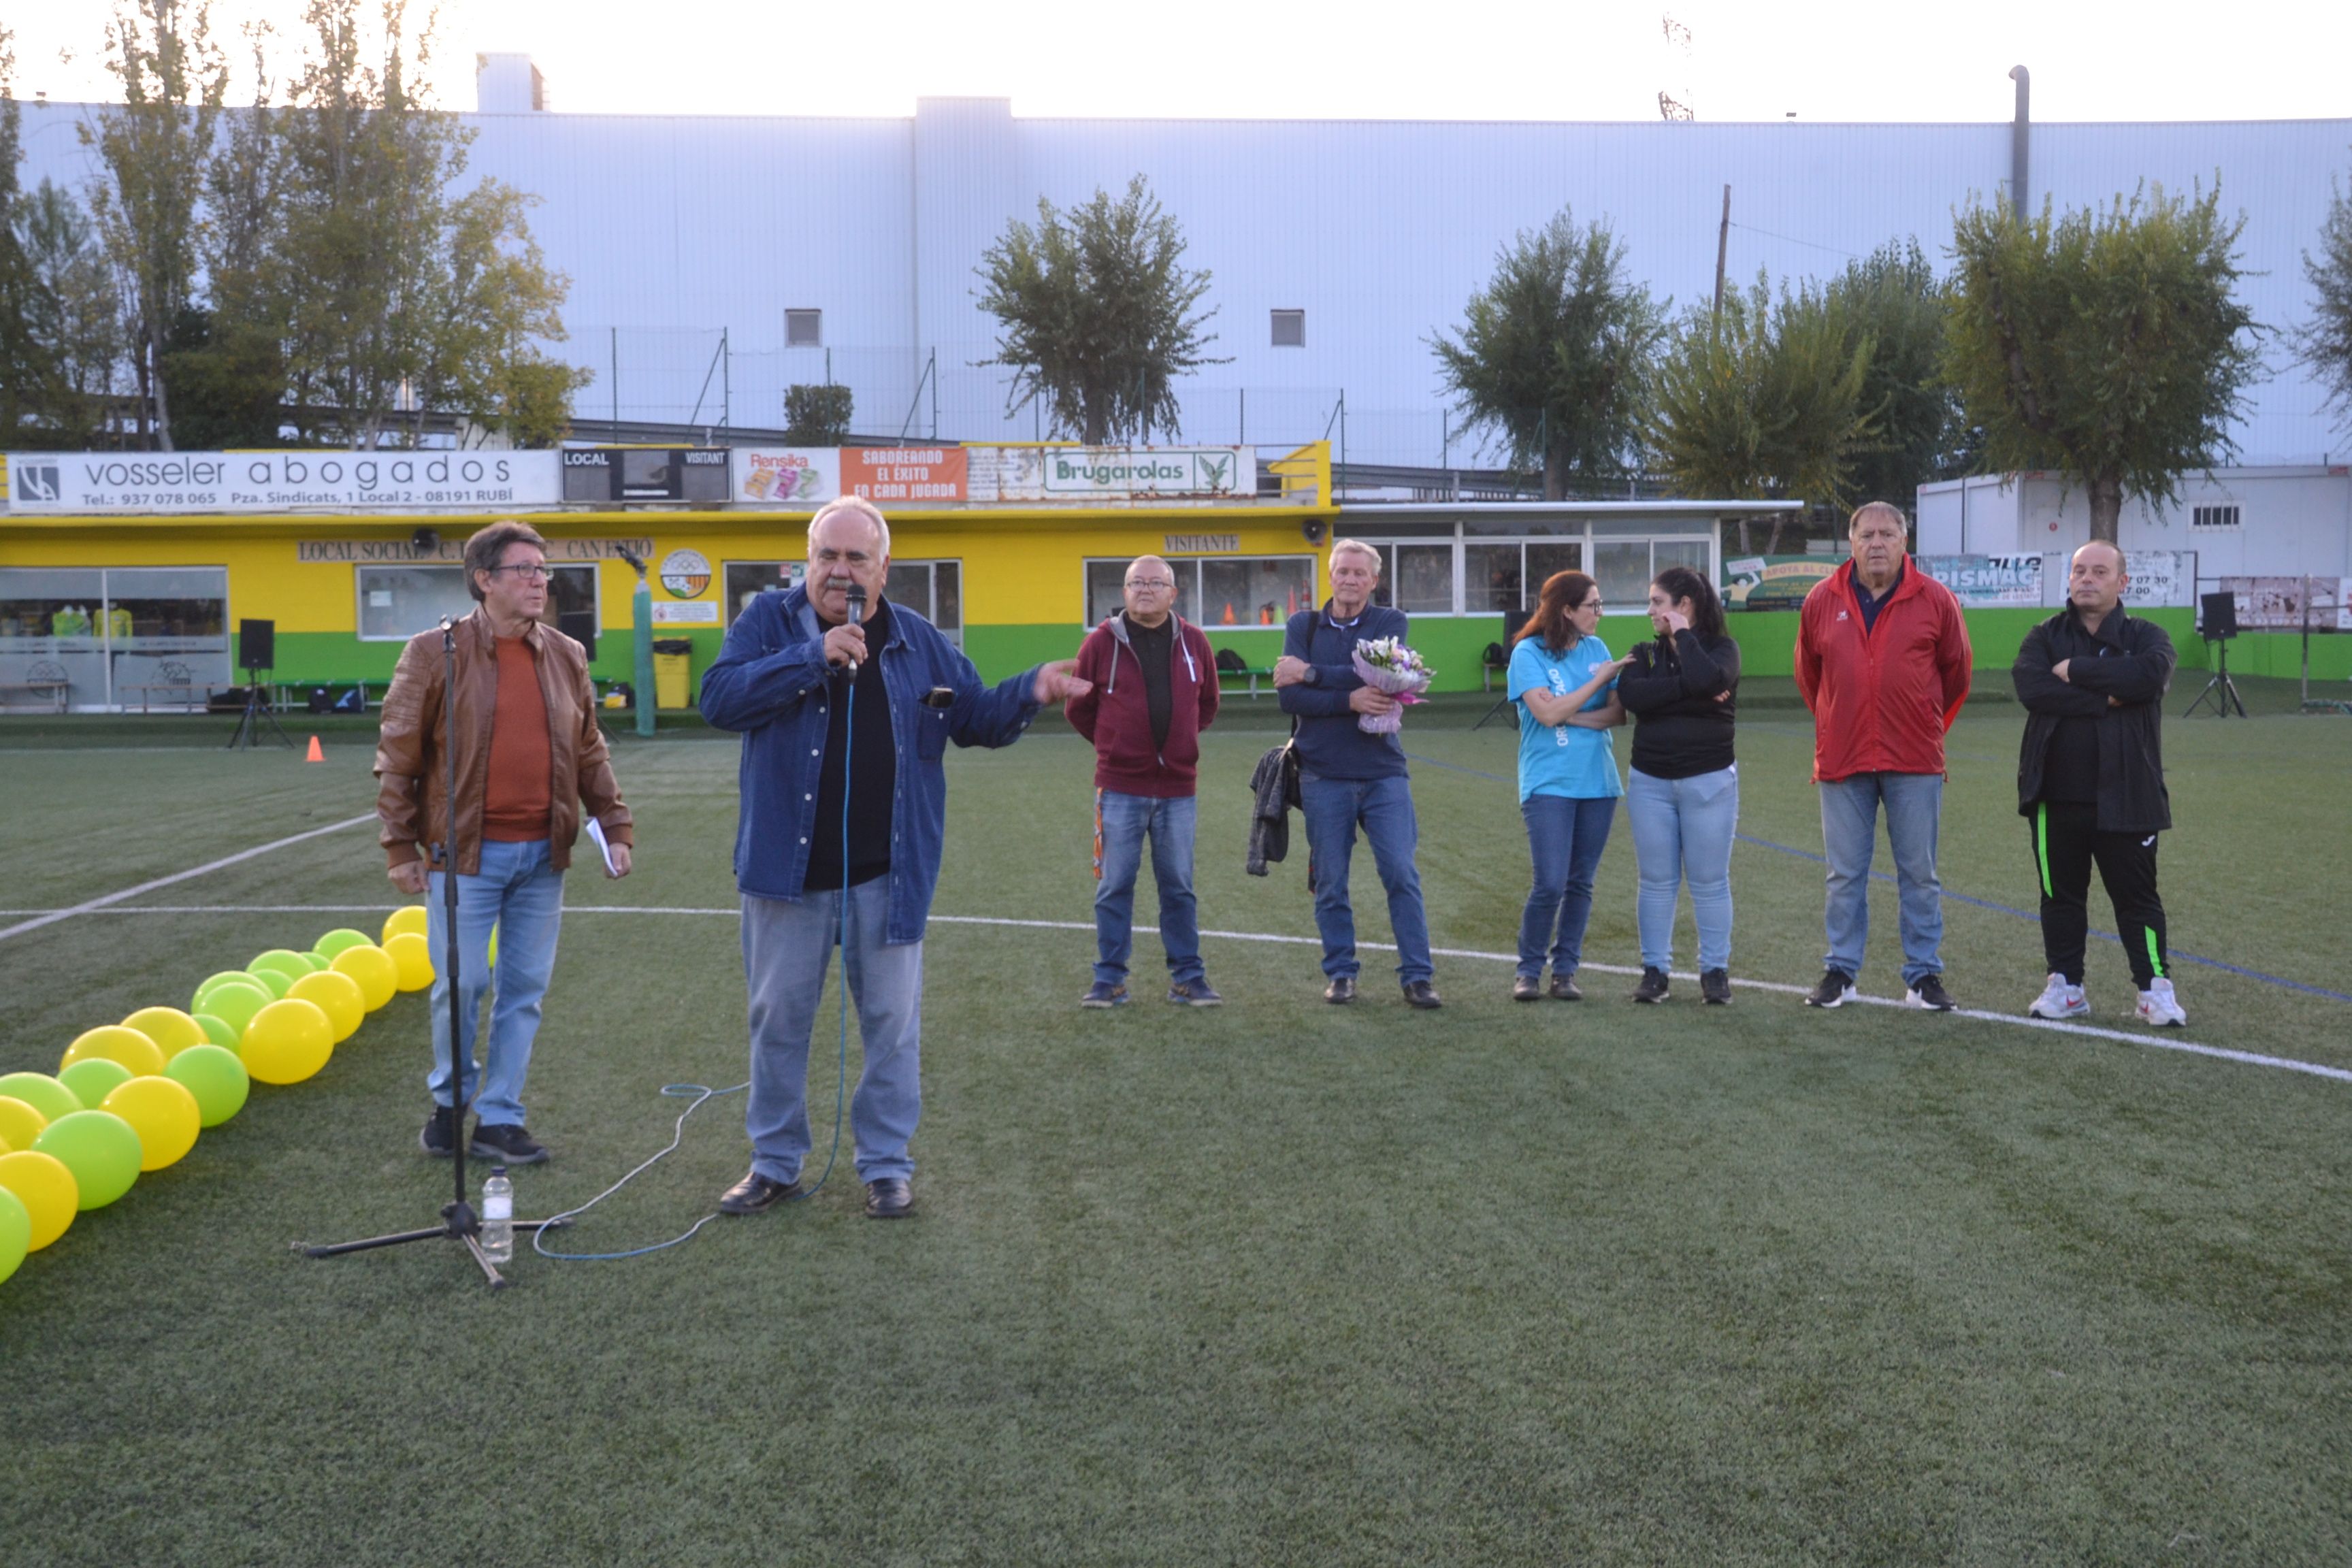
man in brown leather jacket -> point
(529, 754)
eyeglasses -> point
(528, 573)
(1150, 582)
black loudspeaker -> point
(580, 626)
(256, 645)
(2217, 616)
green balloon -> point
(212, 988)
(236, 1005)
(317, 960)
(217, 1030)
(341, 937)
(15, 1233)
(215, 1076)
(93, 1079)
(284, 960)
(277, 981)
(99, 1148)
(42, 1092)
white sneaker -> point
(2158, 1005)
(2060, 1000)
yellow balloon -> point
(46, 1189)
(339, 996)
(164, 1115)
(19, 1122)
(409, 918)
(288, 1041)
(171, 1030)
(117, 1043)
(373, 969)
(413, 959)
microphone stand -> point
(458, 1221)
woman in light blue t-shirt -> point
(1564, 681)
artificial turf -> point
(1276, 1283)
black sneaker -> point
(1929, 994)
(507, 1141)
(1526, 988)
(1653, 987)
(1422, 993)
(1104, 994)
(1715, 987)
(1195, 993)
(439, 1138)
(1564, 988)
(1835, 990)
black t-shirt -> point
(1680, 731)
(2070, 768)
(873, 765)
(1154, 647)
(1871, 606)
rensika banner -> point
(72, 482)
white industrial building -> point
(716, 260)
(2271, 521)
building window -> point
(398, 601)
(1290, 329)
(1215, 591)
(1497, 575)
(932, 589)
(153, 635)
(2214, 517)
(803, 329)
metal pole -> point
(2021, 133)
(641, 614)
(616, 386)
(726, 383)
(1722, 249)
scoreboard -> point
(603, 474)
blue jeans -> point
(521, 893)
(788, 945)
(1915, 805)
(1565, 838)
(1333, 809)
(1126, 819)
(1682, 832)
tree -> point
(2323, 343)
(70, 319)
(2108, 344)
(1763, 399)
(1095, 311)
(1894, 297)
(156, 146)
(488, 295)
(816, 415)
(1555, 353)
(228, 382)
(24, 368)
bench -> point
(57, 690)
(146, 692)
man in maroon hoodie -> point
(1154, 690)
(1882, 661)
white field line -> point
(53, 916)
(2089, 1031)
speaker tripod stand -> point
(257, 713)
(458, 1221)
(2221, 690)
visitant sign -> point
(65, 483)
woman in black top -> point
(1682, 799)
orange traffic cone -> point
(316, 755)
(1229, 612)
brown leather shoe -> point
(1422, 993)
(754, 1193)
(1526, 988)
(1341, 989)
(891, 1197)
(1563, 988)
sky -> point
(1466, 59)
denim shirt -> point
(769, 684)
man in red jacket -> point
(1882, 661)
(1154, 690)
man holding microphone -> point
(846, 703)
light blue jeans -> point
(1915, 806)
(1565, 838)
(1682, 833)
(1334, 808)
(520, 891)
(1127, 819)
(788, 945)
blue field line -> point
(2279, 980)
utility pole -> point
(1722, 249)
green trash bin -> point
(673, 664)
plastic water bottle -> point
(497, 1217)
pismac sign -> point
(70, 482)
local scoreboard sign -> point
(608, 474)
(65, 483)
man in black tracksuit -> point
(2090, 780)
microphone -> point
(857, 616)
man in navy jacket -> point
(1348, 778)
(843, 818)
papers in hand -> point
(604, 847)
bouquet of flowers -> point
(1386, 665)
